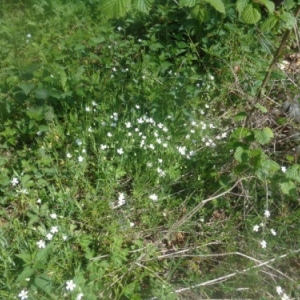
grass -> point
(119, 177)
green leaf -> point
(43, 282)
(241, 133)
(26, 87)
(251, 14)
(241, 155)
(115, 8)
(289, 20)
(268, 4)
(240, 5)
(293, 173)
(217, 4)
(287, 187)
(269, 23)
(42, 93)
(261, 108)
(269, 167)
(27, 258)
(240, 116)
(26, 273)
(263, 136)
(35, 113)
(49, 114)
(189, 3)
(143, 5)
(63, 79)
(42, 257)
(199, 13)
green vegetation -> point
(142, 152)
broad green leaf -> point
(289, 20)
(49, 114)
(241, 155)
(63, 79)
(98, 40)
(293, 173)
(143, 5)
(26, 87)
(42, 93)
(189, 3)
(217, 5)
(268, 4)
(115, 8)
(42, 257)
(199, 13)
(287, 186)
(269, 167)
(26, 273)
(43, 282)
(240, 5)
(269, 23)
(251, 14)
(27, 258)
(35, 113)
(263, 136)
(241, 132)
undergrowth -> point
(127, 171)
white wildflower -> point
(263, 244)
(70, 285)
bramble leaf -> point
(263, 136)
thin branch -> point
(190, 214)
(276, 57)
(224, 278)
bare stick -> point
(276, 56)
(224, 278)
